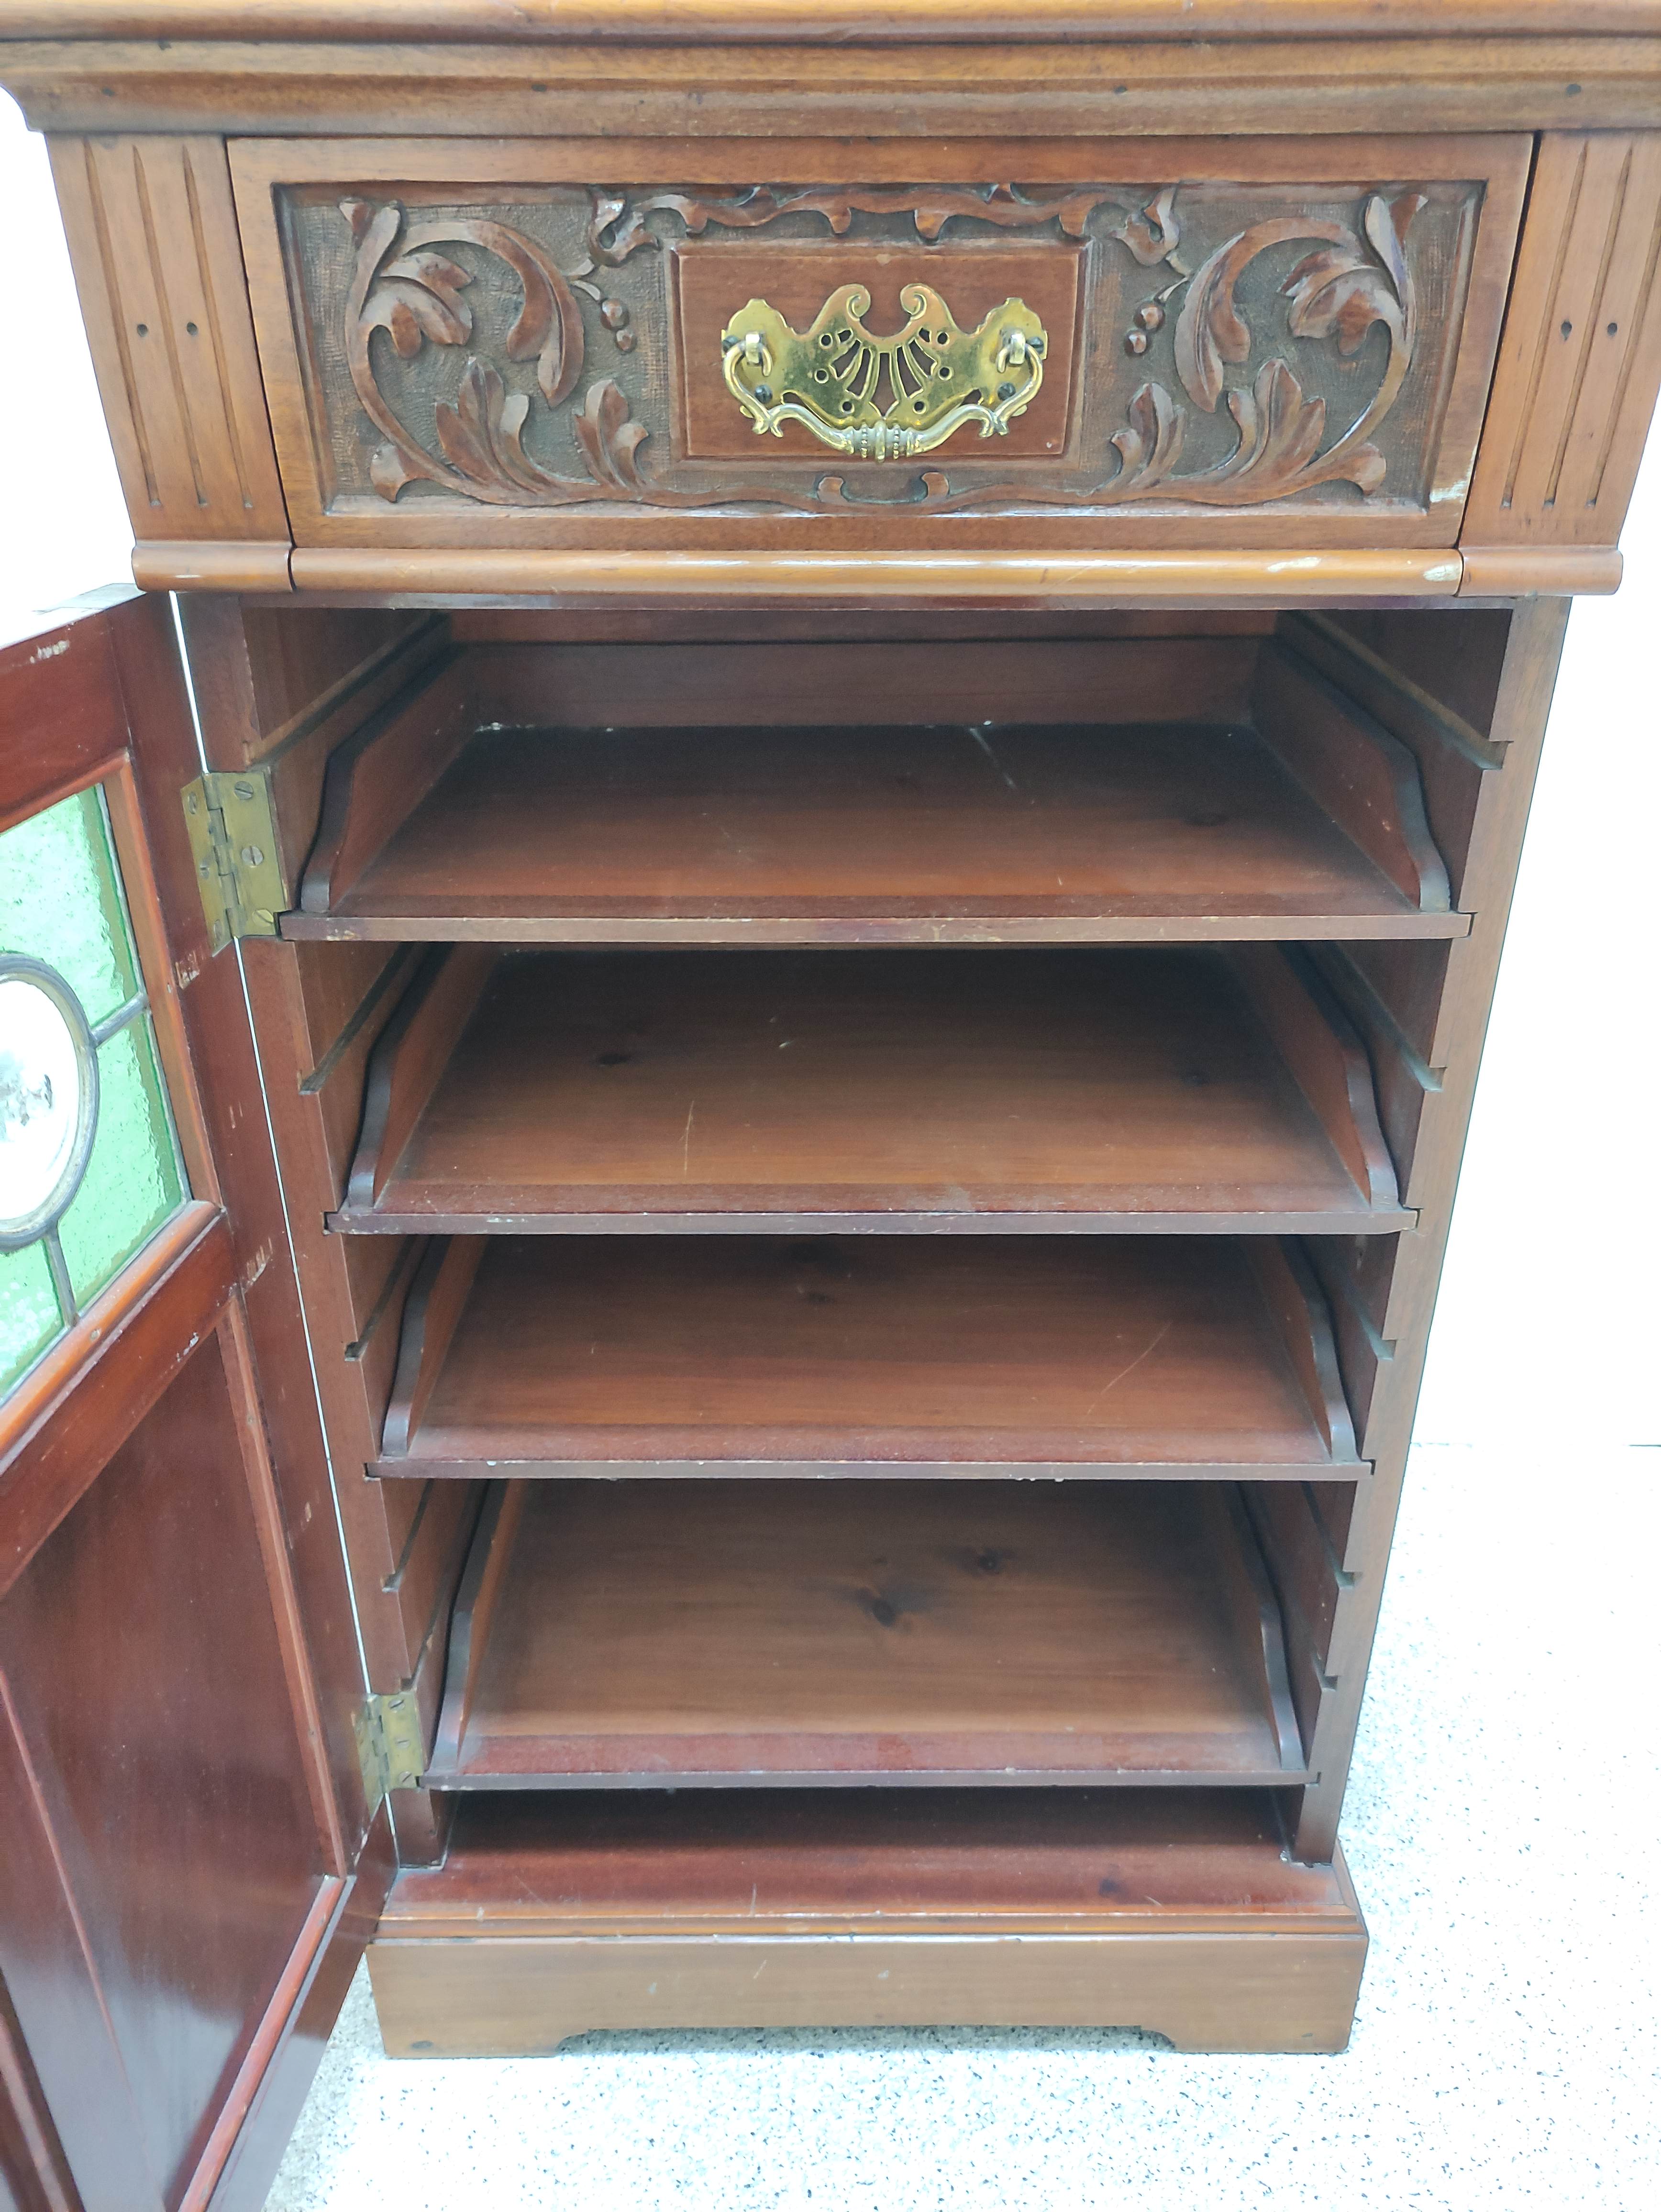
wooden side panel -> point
(263, 675)
(1366, 779)
(489, 1557)
(1429, 670)
(436, 1297)
(1452, 756)
(153, 237)
(410, 1055)
(1360, 1277)
(1249, 1597)
(384, 771)
(1302, 1321)
(1402, 1081)
(1523, 697)
(1328, 1062)
(1308, 1576)
(1581, 359)
(302, 684)
(1409, 981)
(352, 1303)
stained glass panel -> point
(90, 1164)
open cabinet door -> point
(191, 1868)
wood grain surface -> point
(922, 834)
(627, 1862)
(946, 1355)
(661, 1633)
(991, 1088)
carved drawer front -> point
(507, 353)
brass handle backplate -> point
(884, 399)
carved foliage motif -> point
(1357, 278)
(403, 285)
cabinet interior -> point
(865, 1165)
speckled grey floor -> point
(1501, 1830)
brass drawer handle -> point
(938, 377)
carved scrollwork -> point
(617, 226)
(1338, 292)
(401, 285)
(1356, 278)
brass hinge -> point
(239, 869)
(390, 1751)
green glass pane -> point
(29, 1311)
(133, 1181)
(61, 902)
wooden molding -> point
(1581, 359)
(123, 1352)
(1080, 579)
(153, 239)
(862, 21)
(1547, 572)
(159, 565)
(1437, 71)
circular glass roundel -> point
(48, 1098)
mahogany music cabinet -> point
(807, 904)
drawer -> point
(497, 346)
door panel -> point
(148, 1689)
(178, 1664)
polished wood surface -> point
(1366, 345)
(171, 1704)
(154, 235)
(418, 577)
(143, 1674)
(1074, 87)
(950, 1356)
(1178, 1910)
(1149, 457)
(1274, 1988)
(943, 834)
(902, 1089)
(1580, 360)
(351, 135)
(1356, 321)
(956, 20)
(666, 1632)
(617, 1863)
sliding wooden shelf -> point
(949, 834)
(650, 1634)
(1022, 1090)
(930, 1356)
(702, 1908)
